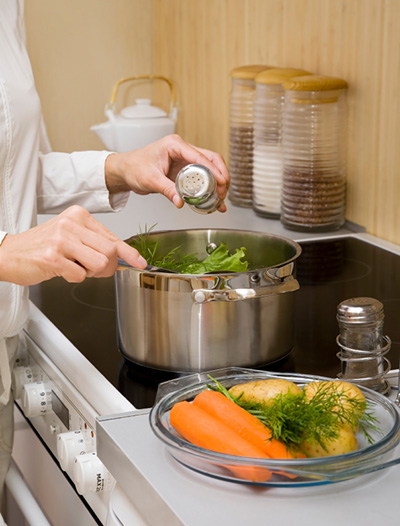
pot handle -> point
(289, 284)
(111, 104)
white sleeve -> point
(2, 236)
(65, 179)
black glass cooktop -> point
(329, 272)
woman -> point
(73, 245)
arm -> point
(77, 178)
(101, 181)
(74, 245)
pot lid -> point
(142, 110)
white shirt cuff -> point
(2, 236)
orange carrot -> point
(206, 431)
(244, 423)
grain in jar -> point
(241, 109)
(267, 150)
(313, 141)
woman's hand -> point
(73, 245)
(153, 169)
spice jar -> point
(197, 186)
(362, 343)
(267, 150)
(241, 108)
(313, 141)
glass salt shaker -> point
(241, 110)
(267, 150)
(362, 343)
(313, 140)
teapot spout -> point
(104, 132)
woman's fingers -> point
(95, 248)
(72, 245)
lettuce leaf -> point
(219, 260)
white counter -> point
(166, 493)
(169, 494)
(156, 209)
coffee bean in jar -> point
(313, 143)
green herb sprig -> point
(148, 248)
(219, 260)
(293, 418)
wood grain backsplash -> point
(197, 42)
(80, 49)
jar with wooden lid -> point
(241, 113)
(267, 150)
(313, 141)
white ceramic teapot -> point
(138, 125)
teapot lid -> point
(142, 110)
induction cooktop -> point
(329, 271)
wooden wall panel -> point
(78, 51)
(196, 43)
(387, 176)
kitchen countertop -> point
(166, 493)
(142, 211)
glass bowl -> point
(279, 472)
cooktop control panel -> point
(61, 417)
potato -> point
(264, 390)
(344, 443)
(351, 390)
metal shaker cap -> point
(197, 186)
(360, 311)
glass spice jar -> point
(241, 108)
(313, 141)
(362, 344)
(267, 150)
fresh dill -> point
(219, 260)
(172, 260)
(294, 418)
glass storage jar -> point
(241, 107)
(267, 149)
(313, 141)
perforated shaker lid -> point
(360, 311)
(195, 184)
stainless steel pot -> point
(181, 322)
